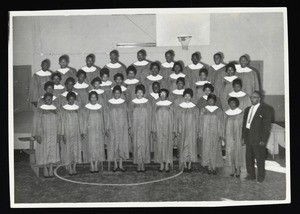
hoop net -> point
(184, 40)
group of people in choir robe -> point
(147, 107)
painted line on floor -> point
(102, 184)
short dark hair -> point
(131, 68)
(117, 88)
(237, 81)
(55, 74)
(203, 70)
(155, 83)
(70, 79)
(212, 96)
(91, 55)
(258, 92)
(234, 99)
(196, 54)
(218, 54)
(180, 79)
(244, 56)
(104, 71)
(79, 72)
(188, 91)
(140, 87)
(96, 79)
(115, 52)
(47, 84)
(230, 65)
(118, 75)
(164, 90)
(46, 61)
(154, 64)
(71, 94)
(65, 57)
(170, 52)
(208, 85)
(47, 94)
(179, 64)
(91, 93)
(143, 51)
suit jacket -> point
(260, 126)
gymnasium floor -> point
(194, 186)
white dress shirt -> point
(251, 114)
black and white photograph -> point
(173, 107)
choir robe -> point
(223, 88)
(153, 98)
(130, 84)
(46, 123)
(192, 71)
(66, 73)
(243, 98)
(58, 90)
(198, 90)
(249, 79)
(164, 127)
(115, 68)
(211, 129)
(62, 99)
(94, 128)
(141, 124)
(150, 79)
(173, 78)
(166, 69)
(101, 96)
(125, 95)
(117, 124)
(36, 89)
(83, 90)
(216, 72)
(142, 69)
(187, 126)
(202, 102)
(91, 73)
(106, 86)
(176, 96)
(54, 101)
(235, 152)
(71, 128)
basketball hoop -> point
(184, 40)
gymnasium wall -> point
(259, 35)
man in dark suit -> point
(255, 134)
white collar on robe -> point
(193, 66)
(48, 107)
(43, 73)
(163, 103)
(154, 78)
(239, 69)
(80, 85)
(63, 70)
(113, 65)
(89, 69)
(131, 81)
(90, 106)
(116, 101)
(65, 93)
(141, 63)
(217, 67)
(123, 88)
(233, 112)
(59, 87)
(237, 94)
(205, 97)
(178, 92)
(107, 83)
(99, 91)
(53, 98)
(200, 83)
(140, 101)
(230, 78)
(168, 65)
(176, 76)
(71, 107)
(154, 95)
(187, 105)
(211, 108)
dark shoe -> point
(259, 181)
(209, 172)
(115, 169)
(96, 171)
(75, 173)
(168, 170)
(231, 175)
(46, 176)
(91, 171)
(249, 178)
(237, 176)
(160, 170)
(138, 170)
(214, 172)
(123, 170)
(143, 170)
(185, 169)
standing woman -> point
(154, 77)
(211, 135)
(192, 70)
(106, 83)
(140, 128)
(166, 67)
(199, 85)
(207, 90)
(91, 69)
(217, 70)
(96, 86)
(37, 82)
(131, 82)
(94, 131)
(247, 75)
(65, 71)
(235, 152)
(58, 87)
(177, 72)
(46, 131)
(177, 94)
(114, 66)
(187, 129)
(81, 87)
(163, 128)
(69, 87)
(117, 129)
(142, 65)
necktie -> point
(251, 111)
